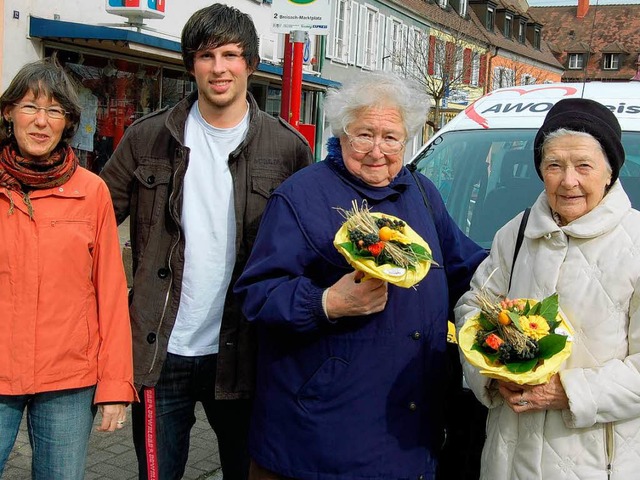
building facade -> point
(594, 42)
(128, 67)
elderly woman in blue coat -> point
(350, 373)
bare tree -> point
(440, 64)
(512, 72)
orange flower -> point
(376, 248)
(494, 341)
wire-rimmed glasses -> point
(57, 113)
(363, 144)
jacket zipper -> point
(173, 247)
(609, 447)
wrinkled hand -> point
(113, 416)
(350, 297)
(529, 398)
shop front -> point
(124, 74)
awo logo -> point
(522, 106)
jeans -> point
(171, 403)
(59, 424)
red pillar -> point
(285, 100)
(296, 78)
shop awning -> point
(130, 42)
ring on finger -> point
(120, 423)
(522, 402)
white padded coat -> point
(594, 265)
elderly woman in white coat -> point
(582, 240)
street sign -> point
(311, 16)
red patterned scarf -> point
(17, 174)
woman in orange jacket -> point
(65, 338)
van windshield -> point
(486, 177)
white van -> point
(482, 160)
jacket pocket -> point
(263, 184)
(153, 190)
(324, 384)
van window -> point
(486, 177)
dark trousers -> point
(163, 448)
(465, 421)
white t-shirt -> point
(208, 220)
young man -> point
(195, 179)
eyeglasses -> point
(362, 144)
(31, 109)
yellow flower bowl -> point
(402, 277)
(539, 375)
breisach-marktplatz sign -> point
(312, 16)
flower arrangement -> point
(522, 341)
(382, 246)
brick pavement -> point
(111, 455)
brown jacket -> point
(145, 176)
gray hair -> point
(563, 132)
(372, 90)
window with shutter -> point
(483, 70)
(432, 55)
(362, 26)
(576, 61)
(340, 49)
(367, 37)
(611, 61)
(330, 39)
(458, 73)
(353, 32)
(379, 43)
(475, 70)
(450, 59)
(466, 66)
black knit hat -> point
(584, 115)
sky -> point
(542, 3)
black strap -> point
(412, 168)
(523, 225)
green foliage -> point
(356, 252)
(548, 308)
(515, 319)
(521, 367)
(485, 323)
(491, 355)
(420, 252)
(550, 345)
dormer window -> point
(522, 31)
(443, 3)
(463, 8)
(508, 22)
(611, 61)
(491, 18)
(536, 38)
(576, 61)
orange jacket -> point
(64, 320)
